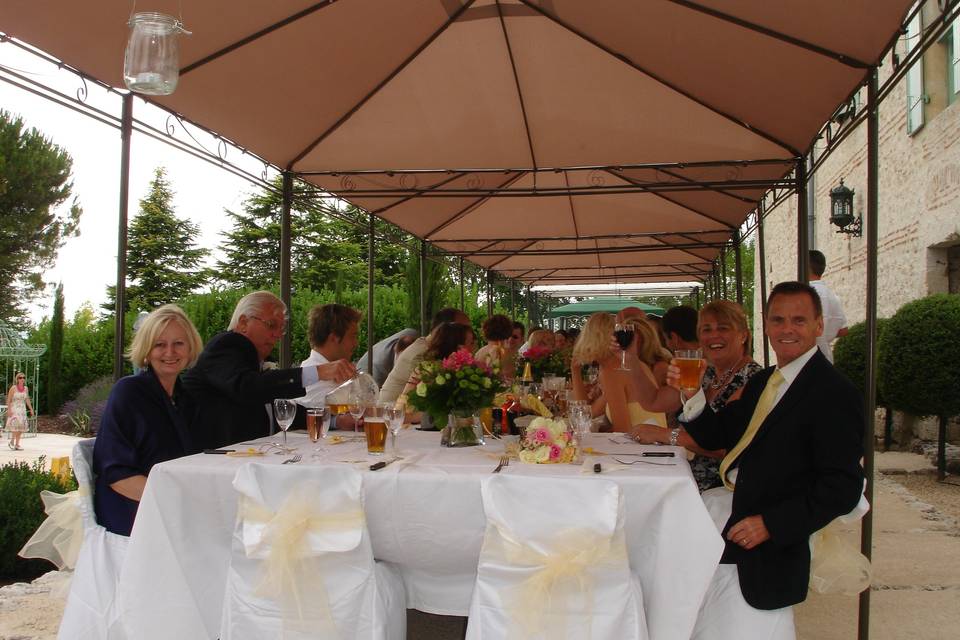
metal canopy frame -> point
(776, 191)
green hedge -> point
(88, 339)
(920, 357)
(22, 509)
(850, 356)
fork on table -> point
(659, 464)
(294, 460)
(504, 462)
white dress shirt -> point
(317, 389)
(833, 317)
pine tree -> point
(55, 353)
(328, 245)
(164, 263)
(34, 182)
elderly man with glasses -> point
(230, 384)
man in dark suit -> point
(229, 383)
(794, 442)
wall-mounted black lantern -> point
(841, 211)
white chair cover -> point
(301, 562)
(92, 610)
(554, 563)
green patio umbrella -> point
(593, 305)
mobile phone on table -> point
(658, 454)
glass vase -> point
(463, 429)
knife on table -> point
(382, 464)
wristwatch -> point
(674, 434)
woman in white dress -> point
(18, 401)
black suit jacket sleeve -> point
(836, 480)
(722, 430)
(229, 371)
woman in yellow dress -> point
(619, 400)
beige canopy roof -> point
(553, 141)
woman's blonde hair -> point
(153, 325)
(593, 343)
(727, 312)
(649, 348)
(541, 338)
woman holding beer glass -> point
(619, 399)
(148, 417)
(725, 342)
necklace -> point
(721, 381)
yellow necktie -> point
(760, 413)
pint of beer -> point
(316, 423)
(376, 430)
(688, 361)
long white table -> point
(424, 515)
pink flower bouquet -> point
(547, 441)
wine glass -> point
(284, 411)
(591, 372)
(624, 335)
(356, 409)
(394, 416)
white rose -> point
(440, 379)
(422, 389)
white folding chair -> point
(554, 563)
(92, 610)
(301, 562)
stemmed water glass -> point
(579, 412)
(624, 335)
(394, 416)
(284, 411)
(356, 409)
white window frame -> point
(914, 77)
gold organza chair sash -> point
(573, 553)
(284, 541)
(835, 566)
(59, 537)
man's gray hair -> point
(254, 304)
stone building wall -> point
(919, 213)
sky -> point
(86, 264)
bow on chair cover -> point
(302, 565)
(554, 563)
(58, 538)
(835, 566)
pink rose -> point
(541, 435)
(555, 452)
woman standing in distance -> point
(18, 401)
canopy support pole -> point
(803, 238)
(423, 287)
(370, 276)
(696, 293)
(738, 266)
(761, 210)
(120, 299)
(870, 401)
(462, 298)
(723, 273)
(489, 293)
(286, 355)
(513, 301)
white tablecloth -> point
(424, 515)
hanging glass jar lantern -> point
(151, 64)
